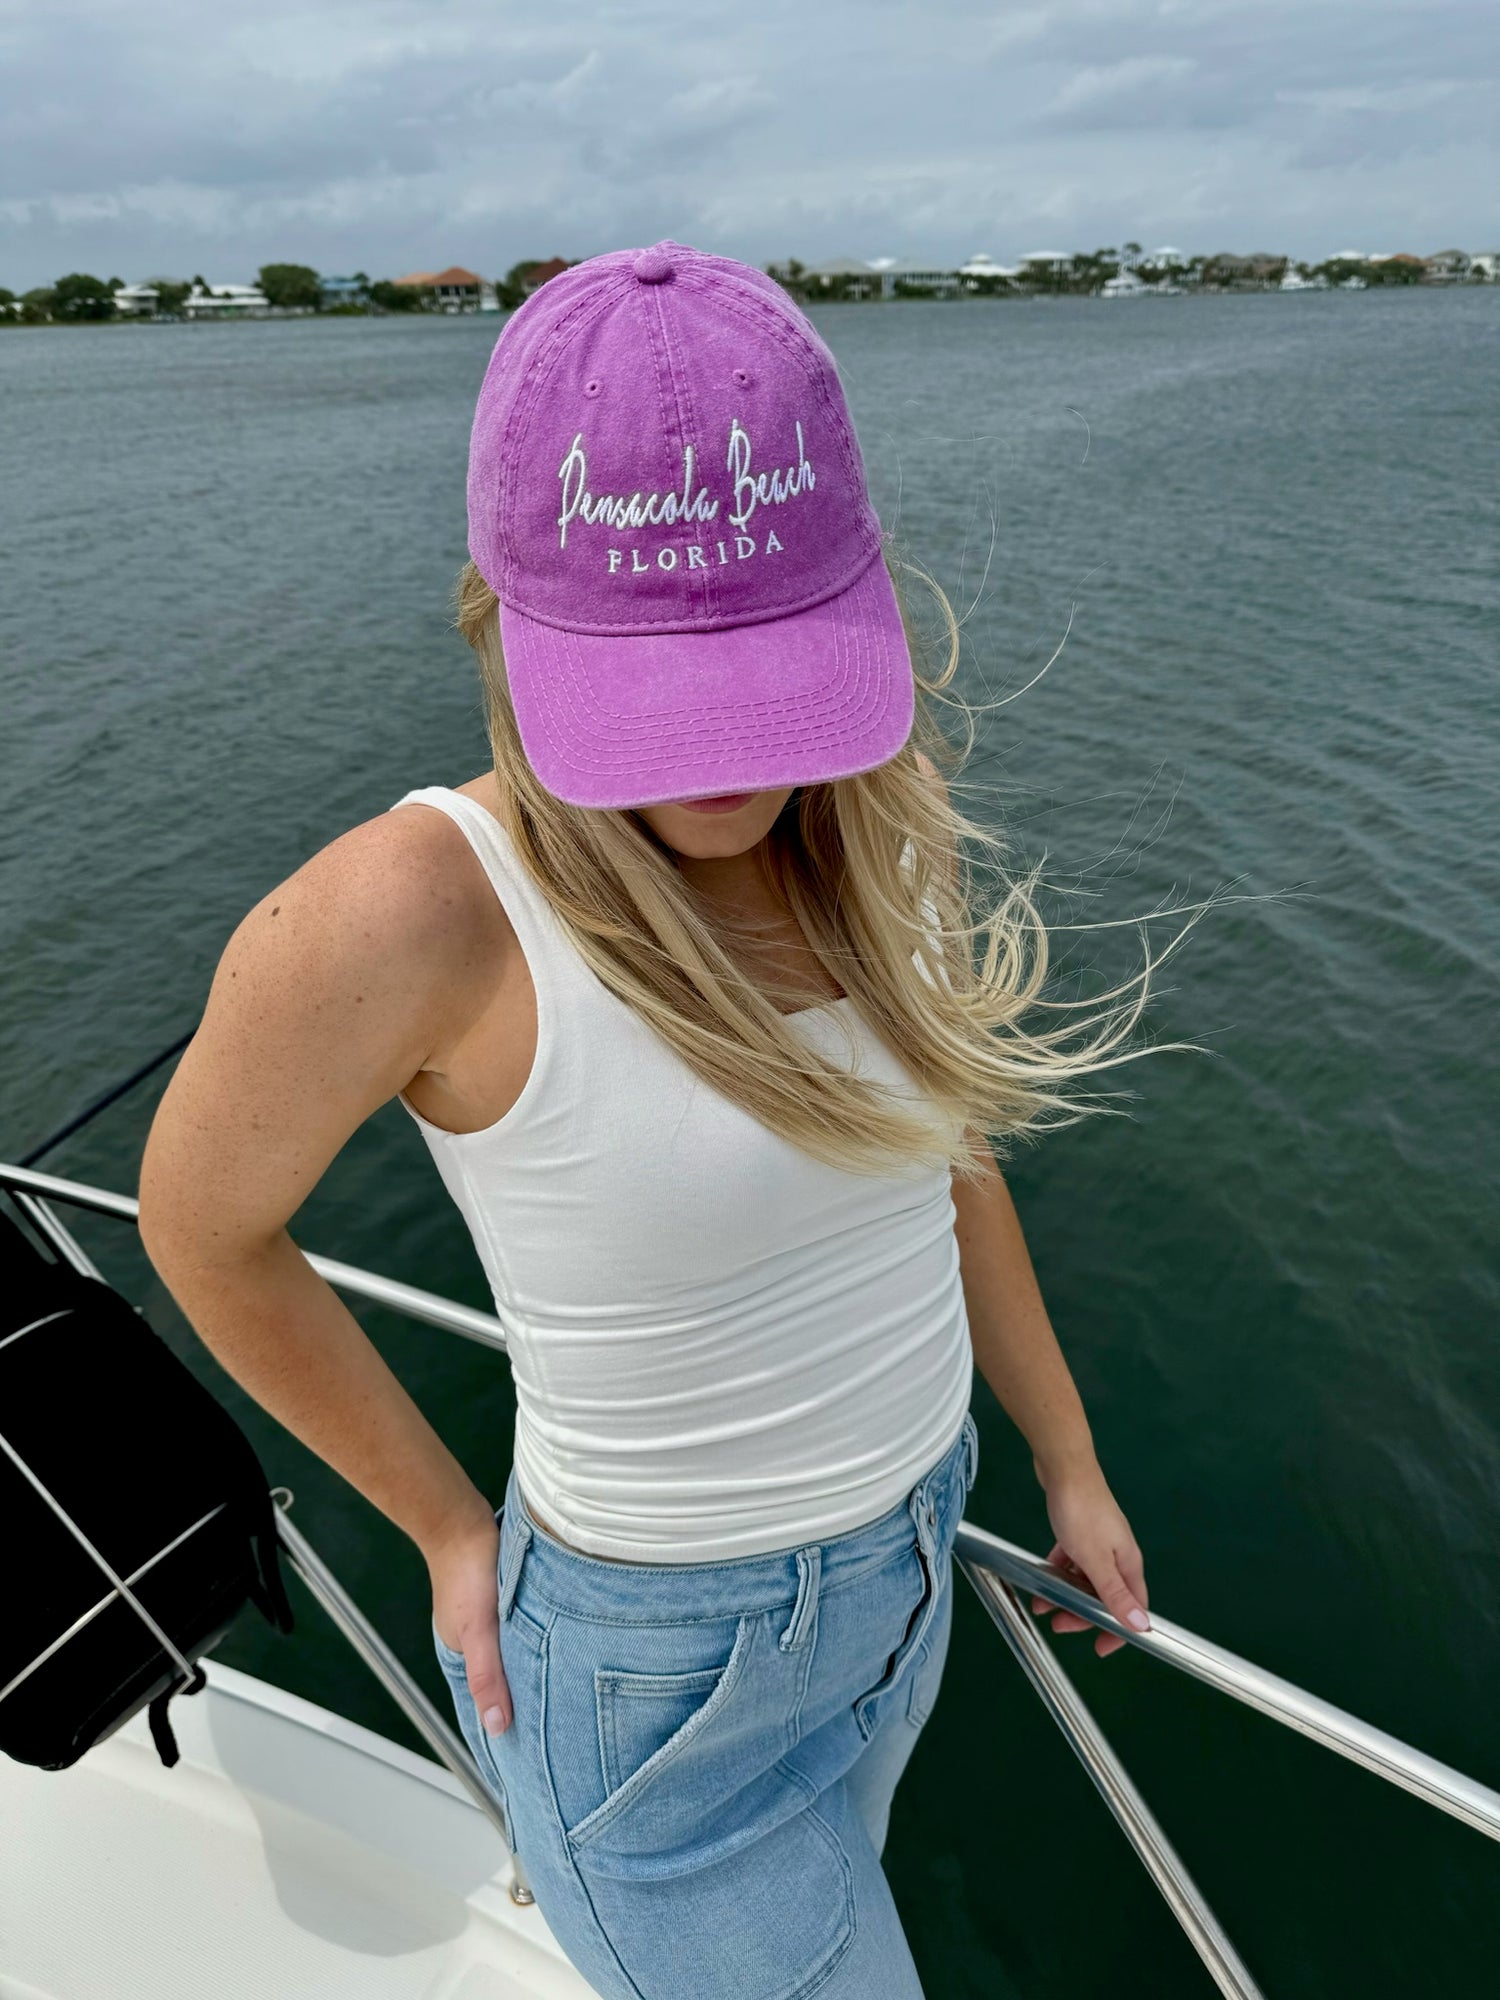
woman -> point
(680, 994)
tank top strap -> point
(550, 953)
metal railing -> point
(999, 1571)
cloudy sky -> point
(169, 137)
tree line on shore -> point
(79, 296)
(82, 297)
(1083, 273)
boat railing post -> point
(395, 1679)
(1084, 1736)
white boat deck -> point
(289, 1855)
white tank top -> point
(720, 1345)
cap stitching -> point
(525, 400)
(660, 726)
(577, 749)
(794, 342)
(581, 750)
(687, 422)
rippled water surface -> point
(1272, 521)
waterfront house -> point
(845, 278)
(226, 302)
(1445, 267)
(1125, 285)
(343, 291)
(900, 278)
(1257, 272)
(136, 301)
(1224, 268)
(457, 290)
(1485, 265)
(1039, 265)
(454, 290)
(982, 270)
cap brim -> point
(657, 717)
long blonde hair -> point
(873, 869)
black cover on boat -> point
(96, 1408)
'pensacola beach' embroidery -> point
(693, 503)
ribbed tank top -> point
(720, 1345)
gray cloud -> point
(165, 137)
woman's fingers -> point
(1059, 1559)
(463, 1571)
(1120, 1587)
(1133, 1570)
(1118, 1597)
(487, 1682)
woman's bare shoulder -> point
(402, 871)
(333, 991)
(398, 901)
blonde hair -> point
(873, 868)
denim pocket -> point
(644, 1721)
(639, 1714)
(767, 1919)
(709, 1852)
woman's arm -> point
(1016, 1351)
(329, 997)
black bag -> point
(99, 1414)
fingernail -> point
(494, 1721)
(1140, 1621)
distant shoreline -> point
(498, 318)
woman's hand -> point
(466, 1615)
(1096, 1551)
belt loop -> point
(805, 1610)
(923, 1509)
(510, 1568)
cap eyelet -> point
(592, 387)
(741, 376)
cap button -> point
(652, 268)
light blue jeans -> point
(699, 1773)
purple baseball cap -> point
(667, 497)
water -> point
(227, 554)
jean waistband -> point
(587, 1586)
